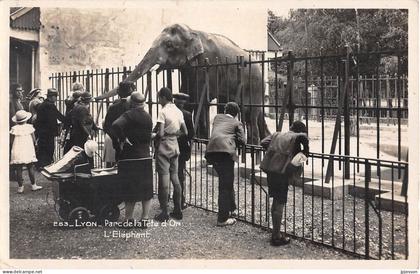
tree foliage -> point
(328, 31)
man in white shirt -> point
(169, 124)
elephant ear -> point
(195, 46)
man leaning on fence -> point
(283, 163)
(227, 134)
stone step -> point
(328, 191)
(387, 202)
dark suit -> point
(113, 113)
(82, 125)
(46, 127)
(184, 143)
(227, 133)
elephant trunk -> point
(149, 60)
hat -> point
(183, 97)
(125, 88)
(90, 148)
(77, 86)
(21, 116)
(52, 92)
(34, 92)
(85, 97)
(137, 99)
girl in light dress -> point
(22, 138)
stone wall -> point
(77, 39)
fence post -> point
(367, 180)
(169, 78)
(107, 85)
(253, 184)
(346, 113)
(74, 78)
(290, 101)
(124, 73)
(87, 81)
(149, 91)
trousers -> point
(224, 166)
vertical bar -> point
(88, 81)
(169, 78)
(252, 185)
(399, 113)
(306, 89)
(290, 86)
(392, 213)
(380, 207)
(149, 91)
(276, 94)
(354, 206)
(322, 106)
(378, 102)
(313, 199)
(366, 198)
(347, 115)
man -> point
(184, 142)
(277, 163)
(47, 128)
(82, 123)
(15, 101)
(227, 134)
(169, 123)
(112, 148)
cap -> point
(137, 98)
(85, 97)
(52, 92)
(181, 96)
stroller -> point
(84, 194)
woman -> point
(133, 131)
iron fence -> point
(369, 217)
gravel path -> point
(33, 236)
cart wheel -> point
(64, 211)
(110, 213)
(80, 214)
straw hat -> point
(90, 148)
(21, 116)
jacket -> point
(184, 141)
(226, 135)
(47, 117)
(281, 148)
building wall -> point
(77, 39)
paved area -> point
(34, 236)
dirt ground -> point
(34, 236)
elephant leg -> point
(252, 126)
(262, 126)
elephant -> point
(178, 46)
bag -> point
(299, 159)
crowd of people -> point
(129, 134)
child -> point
(22, 138)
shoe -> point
(280, 241)
(234, 214)
(229, 221)
(20, 189)
(36, 187)
(162, 217)
(176, 215)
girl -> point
(22, 139)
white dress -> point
(23, 150)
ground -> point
(33, 236)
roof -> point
(273, 44)
(25, 18)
